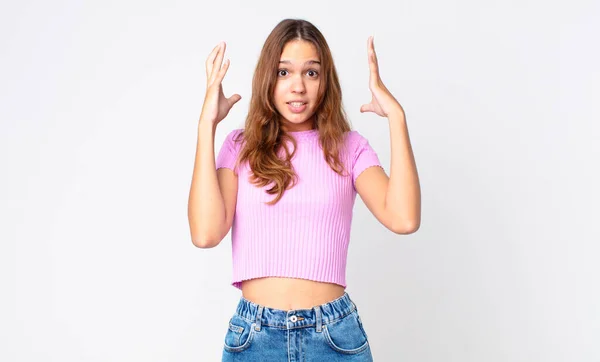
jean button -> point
(293, 319)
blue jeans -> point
(328, 332)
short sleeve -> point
(227, 156)
(364, 157)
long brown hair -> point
(263, 135)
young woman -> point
(286, 184)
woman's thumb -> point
(234, 99)
(366, 108)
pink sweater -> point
(306, 234)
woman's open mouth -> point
(296, 107)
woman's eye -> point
(314, 72)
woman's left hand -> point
(382, 102)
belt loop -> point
(318, 318)
(258, 318)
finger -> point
(374, 52)
(210, 60)
(370, 55)
(233, 99)
(221, 74)
(218, 63)
(373, 66)
(366, 108)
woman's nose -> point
(298, 85)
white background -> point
(99, 109)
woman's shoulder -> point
(233, 134)
(234, 137)
(353, 137)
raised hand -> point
(382, 101)
(216, 105)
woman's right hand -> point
(216, 106)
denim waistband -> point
(316, 316)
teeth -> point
(296, 104)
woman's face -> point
(298, 78)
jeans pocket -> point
(240, 334)
(346, 335)
(360, 324)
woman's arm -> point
(208, 213)
(403, 194)
(206, 208)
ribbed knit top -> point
(307, 232)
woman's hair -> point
(263, 135)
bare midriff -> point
(290, 293)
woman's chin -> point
(298, 118)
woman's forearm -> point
(403, 197)
(206, 208)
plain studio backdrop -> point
(99, 109)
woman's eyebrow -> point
(306, 63)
